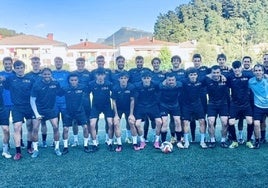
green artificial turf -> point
(193, 167)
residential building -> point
(90, 51)
(24, 47)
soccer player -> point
(170, 91)
(192, 105)
(61, 76)
(36, 74)
(101, 103)
(22, 108)
(217, 104)
(74, 95)
(135, 73)
(247, 70)
(100, 60)
(263, 122)
(120, 62)
(146, 106)
(84, 77)
(123, 103)
(221, 60)
(157, 77)
(43, 98)
(259, 86)
(4, 123)
(135, 77)
(202, 72)
(180, 75)
(8, 105)
(240, 103)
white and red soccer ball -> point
(166, 147)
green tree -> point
(235, 25)
(165, 56)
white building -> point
(24, 47)
(90, 51)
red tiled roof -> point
(148, 41)
(29, 40)
(89, 45)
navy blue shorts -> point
(259, 113)
(79, 117)
(152, 112)
(217, 109)
(120, 113)
(173, 111)
(19, 113)
(237, 112)
(107, 111)
(4, 116)
(194, 111)
(48, 114)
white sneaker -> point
(203, 145)
(75, 144)
(186, 145)
(179, 145)
(6, 155)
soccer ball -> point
(166, 147)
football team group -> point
(171, 100)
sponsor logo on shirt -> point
(52, 86)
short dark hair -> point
(100, 71)
(35, 57)
(197, 56)
(258, 65)
(120, 57)
(139, 57)
(247, 57)
(221, 56)
(18, 63)
(58, 58)
(156, 59)
(72, 75)
(80, 59)
(170, 74)
(175, 57)
(215, 67)
(46, 69)
(191, 70)
(100, 57)
(7, 59)
(146, 73)
(236, 64)
(123, 73)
